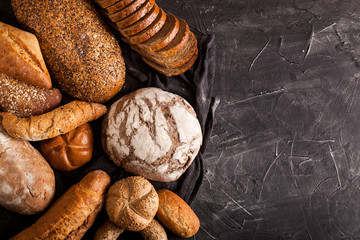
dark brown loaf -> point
(81, 53)
(176, 215)
(154, 231)
(26, 100)
(132, 203)
(71, 150)
(73, 213)
(137, 15)
(172, 71)
(150, 30)
(126, 11)
(162, 37)
(108, 3)
(120, 5)
(21, 58)
(108, 231)
(51, 124)
(27, 182)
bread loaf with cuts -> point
(152, 133)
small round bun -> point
(108, 231)
(152, 133)
(132, 203)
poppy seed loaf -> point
(152, 133)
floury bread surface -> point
(152, 133)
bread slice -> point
(143, 23)
(172, 71)
(21, 57)
(118, 6)
(149, 31)
(137, 15)
(163, 37)
(123, 13)
(108, 3)
(175, 60)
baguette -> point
(80, 51)
(73, 213)
(25, 100)
(49, 125)
(21, 57)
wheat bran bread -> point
(162, 37)
(118, 6)
(172, 71)
(150, 30)
(143, 23)
(137, 15)
(108, 3)
(123, 13)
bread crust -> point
(154, 231)
(21, 57)
(126, 11)
(137, 15)
(51, 124)
(108, 231)
(119, 5)
(73, 213)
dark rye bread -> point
(137, 15)
(150, 30)
(143, 23)
(108, 3)
(172, 71)
(118, 6)
(176, 60)
(123, 13)
(162, 38)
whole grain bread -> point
(137, 15)
(172, 71)
(80, 51)
(108, 3)
(119, 5)
(126, 11)
(162, 37)
(150, 30)
(21, 57)
(51, 124)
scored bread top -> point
(126, 11)
(162, 37)
(150, 30)
(118, 6)
(137, 15)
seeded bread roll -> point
(27, 182)
(108, 231)
(81, 53)
(25, 100)
(154, 231)
(21, 58)
(152, 133)
(132, 203)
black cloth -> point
(194, 85)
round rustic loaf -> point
(152, 133)
(132, 203)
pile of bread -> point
(151, 133)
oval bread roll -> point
(154, 231)
(27, 182)
(108, 231)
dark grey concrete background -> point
(283, 161)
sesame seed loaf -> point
(172, 71)
(118, 6)
(126, 11)
(150, 30)
(137, 15)
(81, 53)
(164, 36)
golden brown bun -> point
(71, 150)
(154, 231)
(176, 215)
(51, 124)
(108, 231)
(21, 57)
(81, 53)
(27, 182)
(25, 100)
(73, 213)
(132, 203)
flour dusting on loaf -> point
(152, 133)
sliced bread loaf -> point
(137, 15)
(163, 37)
(172, 71)
(108, 3)
(119, 5)
(150, 30)
(143, 23)
(126, 11)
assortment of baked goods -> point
(164, 42)
(150, 132)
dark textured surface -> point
(282, 162)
